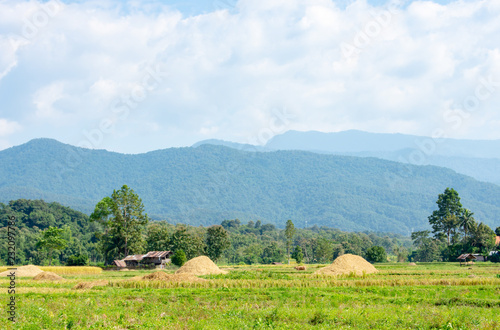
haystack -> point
(24, 271)
(412, 264)
(200, 266)
(347, 264)
(48, 276)
(90, 285)
(162, 276)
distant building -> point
(133, 260)
(157, 258)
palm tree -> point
(467, 221)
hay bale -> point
(24, 271)
(412, 264)
(90, 285)
(47, 276)
(300, 268)
(162, 276)
(347, 264)
(200, 266)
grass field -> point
(427, 296)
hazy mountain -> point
(208, 184)
(477, 158)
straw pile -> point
(90, 285)
(412, 264)
(200, 266)
(348, 264)
(162, 276)
(24, 271)
(48, 276)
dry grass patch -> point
(90, 285)
(47, 276)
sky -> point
(135, 76)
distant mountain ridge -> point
(479, 159)
(210, 183)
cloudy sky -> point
(134, 76)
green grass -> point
(429, 296)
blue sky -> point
(134, 76)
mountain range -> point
(479, 159)
(208, 183)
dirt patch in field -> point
(24, 271)
(162, 276)
(90, 285)
(347, 264)
(48, 276)
(200, 266)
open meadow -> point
(400, 296)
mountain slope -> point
(208, 184)
(479, 159)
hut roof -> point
(134, 257)
(158, 254)
(466, 256)
(120, 263)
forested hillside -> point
(201, 186)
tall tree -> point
(123, 218)
(289, 232)
(217, 241)
(446, 218)
(51, 241)
(467, 222)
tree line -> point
(119, 226)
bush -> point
(376, 254)
(78, 260)
(179, 258)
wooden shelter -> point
(466, 258)
(157, 258)
(133, 260)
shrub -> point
(376, 254)
(78, 260)
(179, 258)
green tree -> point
(52, 241)
(123, 218)
(157, 238)
(446, 218)
(497, 231)
(467, 222)
(191, 243)
(483, 238)
(297, 254)
(271, 253)
(428, 249)
(179, 258)
(376, 254)
(78, 260)
(289, 232)
(217, 241)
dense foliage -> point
(231, 242)
(202, 186)
(455, 230)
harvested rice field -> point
(397, 296)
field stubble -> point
(428, 296)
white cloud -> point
(8, 127)
(228, 69)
